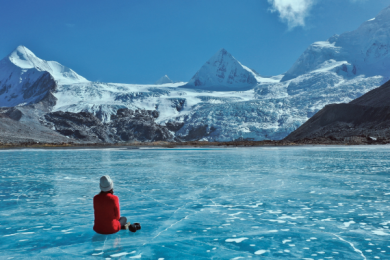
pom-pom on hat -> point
(106, 183)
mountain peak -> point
(23, 49)
(222, 54)
(163, 80)
(223, 72)
(23, 57)
(223, 51)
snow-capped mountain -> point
(24, 59)
(225, 100)
(163, 80)
(25, 78)
(224, 72)
(365, 51)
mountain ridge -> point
(231, 101)
(366, 50)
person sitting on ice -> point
(107, 211)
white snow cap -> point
(223, 71)
(23, 57)
(106, 183)
(26, 59)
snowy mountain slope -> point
(224, 72)
(366, 50)
(273, 113)
(103, 99)
(25, 59)
(225, 100)
(269, 110)
(163, 80)
(24, 78)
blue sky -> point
(138, 41)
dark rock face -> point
(127, 125)
(43, 85)
(174, 126)
(139, 125)
(81, 125)
(197, 133)
(339, 121)
(68, 119)
(127, 113)
(364, 120)
(12, 113)
(37, 91)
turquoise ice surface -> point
(259, 203)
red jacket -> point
(107, 214)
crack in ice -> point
(175, 222)
(354, 248)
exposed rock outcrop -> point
(138, 125)
(126, 126)
(82, 126)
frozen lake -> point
(259, 203)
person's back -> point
(106, 206)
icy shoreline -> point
(192, 144)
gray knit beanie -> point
(106, 183)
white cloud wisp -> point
(293, 12)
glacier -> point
(225, 100)
(259, 203)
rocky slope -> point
(364, 119)
(23, 125)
